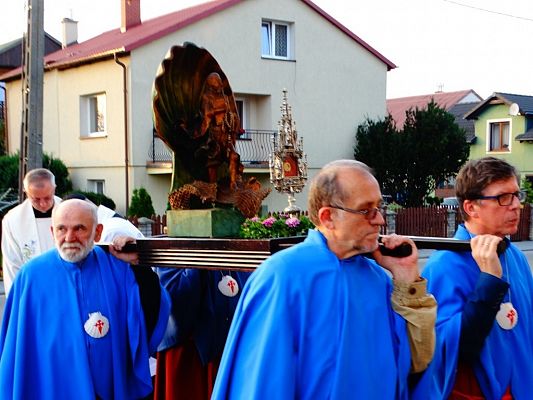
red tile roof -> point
(108, 43)
(398, 107)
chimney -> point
(70, 32)
(130, 13)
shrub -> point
(9, 165)
(99, 198)
(141, 204)
(527, 187)
(275, 226)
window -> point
(275, 39)
(241, 110)
(93, 115)
(498, 135)
(95, 185)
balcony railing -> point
(254, 147)
(159, 152)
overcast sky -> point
(482, 45)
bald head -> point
(328, 187)
(75, 228)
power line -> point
(489, 11)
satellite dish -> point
(514, 109)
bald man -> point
(74, 325)
(322, 321)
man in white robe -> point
(26, 228)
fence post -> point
(452, 219)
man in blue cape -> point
(322, 321)
(485, 321)
(74, 326)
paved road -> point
(525, 246)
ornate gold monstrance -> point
(288, 162)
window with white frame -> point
(241, 110)
(93, 115)
(96, 185)
(498, 135)
(275, 39)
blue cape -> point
(45, 352)
(311, 326)
(506, 356)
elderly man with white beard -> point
(74, 326)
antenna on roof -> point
(440, 86)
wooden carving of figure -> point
(220, 124)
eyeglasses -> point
(369, 213)
(504, 199)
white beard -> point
(75, 252)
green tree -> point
(430, 148)
(9, 165)
(377, 141)
(141, 204)
(9, 178)
(60, 171)
(527, 187)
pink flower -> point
(255, 219)
(269, 222)
(292, 222)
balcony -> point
(254, 146)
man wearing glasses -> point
(321, 320)
(485, 320)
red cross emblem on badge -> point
(99, 325)
(510, 315)
(231, 286)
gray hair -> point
(37, 177)
(325, 187)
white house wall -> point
(99, 158)
(333, 83)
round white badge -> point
(97, 325)
(228, 286)
(507, 317)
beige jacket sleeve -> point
(419, 309)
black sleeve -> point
(150, 293)
(479, 314)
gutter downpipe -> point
(126, 160)
(6, 133)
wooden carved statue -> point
(195, 114)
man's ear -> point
(98, 232)
(470, 207)
(325, 217)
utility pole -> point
(31, 137)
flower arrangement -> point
(275, 226)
